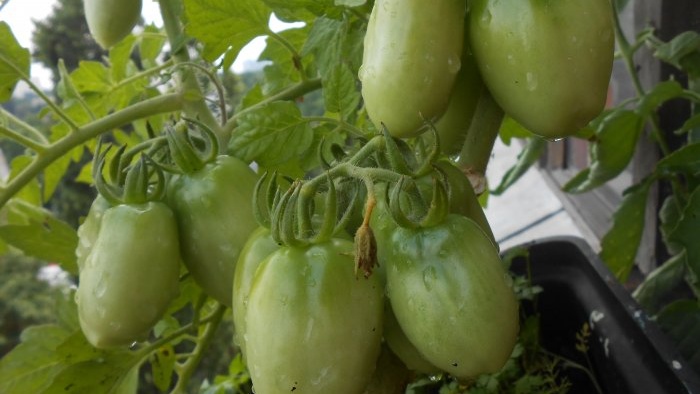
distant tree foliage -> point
(64, 35)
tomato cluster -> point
(434, 290)
(547, 64)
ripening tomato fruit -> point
(312, 326)
(411, 58)
(546, 63)
(109, 21)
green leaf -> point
(684, 234)
(335, 41)
(43, 236)
(681, 321)
(299, 10)
(350, 3)
(107, 374)
(685, 160)
(340, 93)
(14, 62)
(511, 129)
(526, 159)
(163, 366)
(619, 245)
(611, 150)
(92, 76)
(661, 93)
(151, 46)
(691, 123)
(283, 70)
(271, 135)
(659, 283)
(670, 215)
(225, 26)
(31, 365)
(683, 52)
(120, 58)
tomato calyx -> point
(136, 186)
(187, 155)
(434, 214)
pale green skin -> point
(454, 124)
(410, 62)
(214, 210)
(452, 297)
(130, 275)
(312, 326)
(109, 21)
(89, 229)
(402, 347)
(260, 244)
(547, 63)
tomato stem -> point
(157, 105)
(188, 367)
(481, 136)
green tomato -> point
(463, 200)
(260, 244)
(402, 347)
(410, 61)
(109, 21)
(546, 63)
(214, 211)
(311, 325)
(452, 296)
(390, 375)
(454, 124)
(90, 228)
(130, 275)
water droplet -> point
(429, 58)
(486, 18)
(361, 73)
(531, 81)
(453, 64)
(429, 277)
(574, 39)
(511, 59)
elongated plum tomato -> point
(410, 61)
(130, 274)
(259, 245)
(109, 21)
(312, 326)
(546, 63)
(452, 296)
(214, 211)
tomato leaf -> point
(620, 243)
(299, 10)
(271, 135)
(610, 152)
(340, 92)
(684, 234)
(31, 365)
(661, 93)
(42, 236)
(683, 52)
(334, 41)
(684, 160)
(511, 129)
(649, 294)
(526, 159)
(681, 321)
(283, 70)
(351, 3)
(14, 62)
(150, 46)
(163, 366)
(225, 27)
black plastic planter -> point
(628, 352)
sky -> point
(19, 14)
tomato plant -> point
(327, 206)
